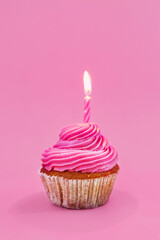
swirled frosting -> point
(82, 148)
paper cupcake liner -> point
(78, 193)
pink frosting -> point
(82, 148)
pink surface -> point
(44, 48)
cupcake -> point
(79, 171)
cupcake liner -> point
(78, 193)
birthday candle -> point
(87, 98)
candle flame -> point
(87, 83)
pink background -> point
(44, 48)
